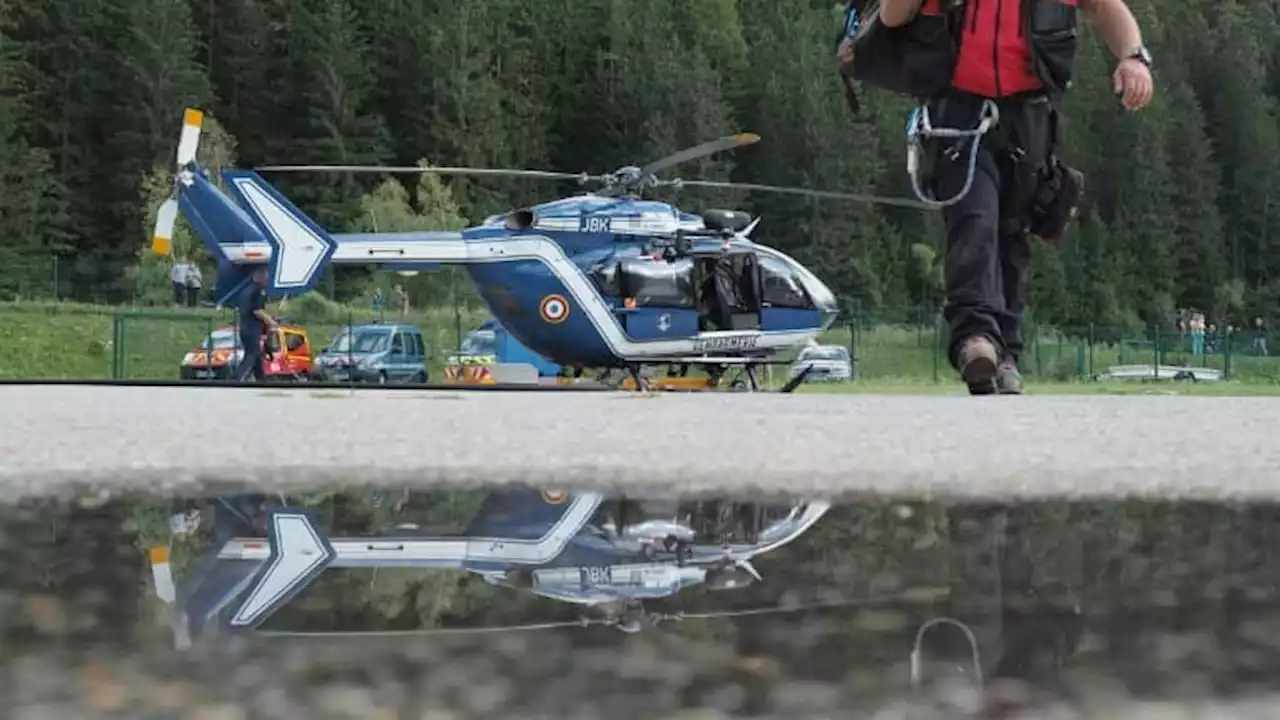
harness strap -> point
(920, 127)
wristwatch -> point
(1142, 55)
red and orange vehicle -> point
(286, 354)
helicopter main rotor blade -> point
(428, 631)
(710, 147)
(822, 194)
(419, 169)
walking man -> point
(254, 321)
(1020, 54)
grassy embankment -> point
(64, 340)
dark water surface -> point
(521, 602)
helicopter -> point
(603, 279)
(586, 549)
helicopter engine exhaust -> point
(520, 220)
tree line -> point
(1184, 198)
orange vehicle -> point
(217, 357)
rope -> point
(919, 126)
(973, 645)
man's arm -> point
(265, 317)
(1119, 30)
(1116, 24)
(260, 309)
(895, 13)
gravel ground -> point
(1010, 447)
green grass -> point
(73, 341)
(47, 340)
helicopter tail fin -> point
(298, 248)
(249, 225)
(528, 513)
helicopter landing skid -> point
(731, 374)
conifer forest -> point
(1183, 198)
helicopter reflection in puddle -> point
(603, 553)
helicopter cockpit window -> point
(658, 283)
(780, 286)
(606, 278)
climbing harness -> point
(973, 645)
(920, 128)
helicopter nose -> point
(825, 302)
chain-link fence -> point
(66, 340)
(62, 340)
(910, 343)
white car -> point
(1165, 372)
(829, 363)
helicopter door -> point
(658, 298)
(729, 292)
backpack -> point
(916, 59)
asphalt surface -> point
(167, 439)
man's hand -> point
(845, 53)
(1132, 84)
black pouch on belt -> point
(1056, 199)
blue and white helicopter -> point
(601, 280)
(609, 554)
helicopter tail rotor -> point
(167, 215)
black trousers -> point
(252, 363)
(988, 245)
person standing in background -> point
(1196, 327)
(178, 276)
(195, 281)
(401, 299)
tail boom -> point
(260, 226)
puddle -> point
(524, 601)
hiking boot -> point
(1008, 379)
(977, 360)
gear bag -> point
(1056, 200)
(1057, 196)
(915, 59)
(918, 59)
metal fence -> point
(62, 340)
(911, 343)
(57, 340)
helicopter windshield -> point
(825, 352)
(220, 340)
(780, 286)
(479, 342)
(362, 341)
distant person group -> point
(187, 282)
(1208, 339)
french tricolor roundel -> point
(554, 309)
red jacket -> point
(995, 57)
